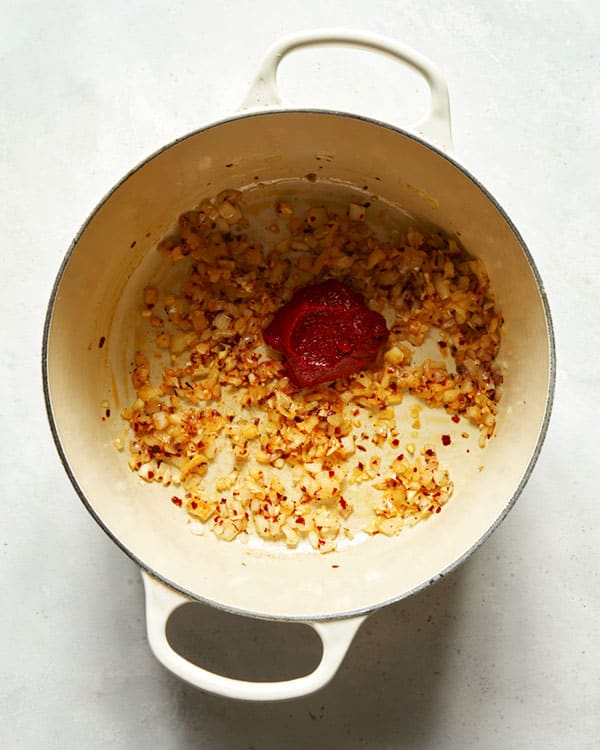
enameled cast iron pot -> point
(98, 286)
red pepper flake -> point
(455, 418)
(430, 452)
(438, 509)
(300, 520)
(395, 442)
(150, 475)
(361, 448)
(335, 566)
(343, 503)
(446, 440)
(176, 501)
(400, 457)
(193, 505)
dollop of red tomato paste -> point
(325, 332)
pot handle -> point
(435, 126)
(162, 601)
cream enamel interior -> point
(97, 290)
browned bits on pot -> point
(150, 296)
(254, 454)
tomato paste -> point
(325, 332)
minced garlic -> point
(251, 452)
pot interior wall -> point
(90, 345)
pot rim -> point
(319, 616)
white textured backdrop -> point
(505, 653)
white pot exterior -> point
(98, 286)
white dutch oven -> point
(87, 351)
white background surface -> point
(505, 653)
